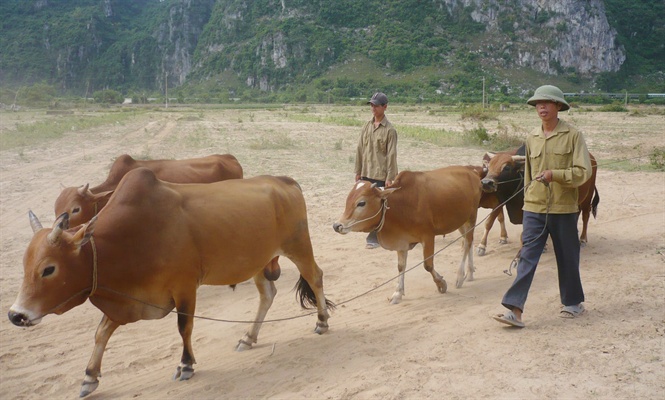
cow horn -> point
(519, 158)
(60, 224)
(83, 190)
(34, 222)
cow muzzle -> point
(339, 228)
(21, 319)
(489, 185)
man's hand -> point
(545, 176)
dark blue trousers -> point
(563, 230)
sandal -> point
(572, 311)
(509, 318)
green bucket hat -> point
(549, 93)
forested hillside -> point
(321, 50)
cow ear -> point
(83, 235)
(387, 192)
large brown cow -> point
(155, 242)
(82, 203)
(418, 206)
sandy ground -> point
(430, 346)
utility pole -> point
(483, 92)
(166, 89)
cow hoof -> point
(183, 372)
(582, 244)
(321, 328)
(480, 251)
(88, 387)
(503, 241)
(442, 286)
(396, 298)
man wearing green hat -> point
(557, 163)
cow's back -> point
(190, 231)
(213, 168)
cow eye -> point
(361, 203)
(48, 271)
(76, 210)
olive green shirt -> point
(376, 157)
(565, 153)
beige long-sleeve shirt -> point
(565, 153)
(376, 156)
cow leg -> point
(496, 214)
(93, 370)
(488, 226)
(301, 253)
(503, 239)
(467, 231)
(585, 222)
(396, 298)
(186, 306)
(267, 293)
(428, 257)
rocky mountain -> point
(276, 45)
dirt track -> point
(429, 346)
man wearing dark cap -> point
(557, 163)
(376, 157)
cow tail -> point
(305, 295)
(594, 203)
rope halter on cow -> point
(382, 211)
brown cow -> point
(156, 242)
(82, 203)
(419, 206)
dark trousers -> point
(563, 230)
(372, 238)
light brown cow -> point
(418, 206)
(155, 243)
(82, 203)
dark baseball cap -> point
(379, 99)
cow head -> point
(56, 277)
(364, 208)
(80, 203)
(501, 167)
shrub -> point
(108, 96)
(614, 107)
(657, 158)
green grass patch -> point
(28, 134)
(273, 141)
(321, 119)
(477, 137)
